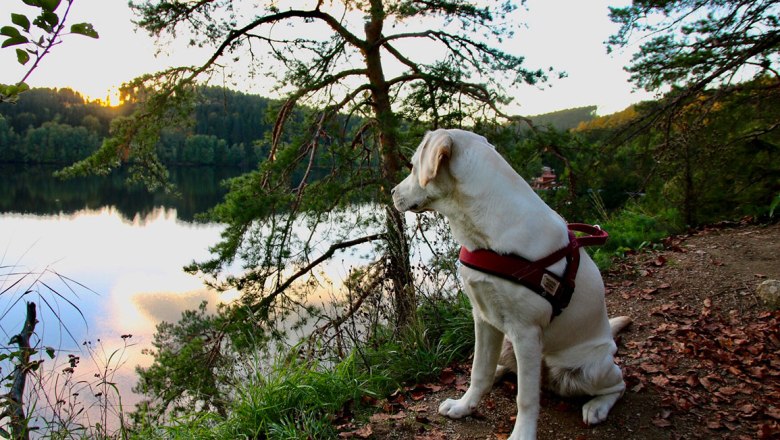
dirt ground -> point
(700, 360)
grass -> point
(296, 400)
(302, 400)
(442, 334)
(632, 229)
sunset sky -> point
(565, 34)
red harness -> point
(557, 290)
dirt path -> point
(701, 359)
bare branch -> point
(264, 303)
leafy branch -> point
(35, 39)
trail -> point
(700, 360)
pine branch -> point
(264, 303)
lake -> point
(101, 260)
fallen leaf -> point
(729, 391)
(661, 423)
(364, 432)
(368, 400)
(748, 410)
(417, 395)
(447, 377)
(660, 381)
(383, 417)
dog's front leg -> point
(528, 352)
(486, 350)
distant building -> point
(545, 181)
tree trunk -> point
(399, 269)
(15, 410)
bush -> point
(633, 228)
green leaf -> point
(47, 21)
(49, 5)
(50, 352)
(84, 29)
(21, 21)
(22, 56)
(13, 41)
(36, 3)
(10, 31)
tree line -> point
(59, 126)
(227, 128)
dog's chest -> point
(491, 301)
(505, 305)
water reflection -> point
(127, 272)
(33, 190)
(128, 247)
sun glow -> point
(113, 98)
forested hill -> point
(60, 126)
(565, 119)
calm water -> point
(101, 260)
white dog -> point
(489, 206)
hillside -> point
(565, 119)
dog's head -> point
(430, 179)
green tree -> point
(711, 58)
(694, 44)
(344, 58)
(58, 143)
(34, 39)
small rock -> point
(769, 292)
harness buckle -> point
(550, 284)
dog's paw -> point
(456, 409)
(596, 410)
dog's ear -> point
(436, 150)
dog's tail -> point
(618, 323)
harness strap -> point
(557, 290)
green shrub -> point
(633, 228)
